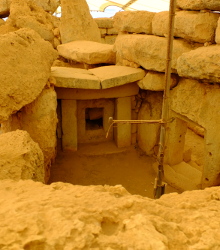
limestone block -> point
(77, 22)
(204, 113)
(103, 32)
(110, 39)
(22, 52)
(87, 52)
(155, 81)
(122, 132)
(149, 51)
(69, 124)
(160, 23)
(112, 76)
(202, 63)
(148, 134)
(190, 25)
(104, 22)
(47, 5)
(75, 78)
(217, 32)
(112, 31)
(39, 119)
(196, 26)
(129, 89)
(134, 21)
(26, 14)
(20, 157)
(198, 4)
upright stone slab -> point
(77, 22)
(69, 124)
(122, 133)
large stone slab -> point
(190, 25)
(202, 63)
(155, 81)
(87, 52)
(149, 51)
(113, 76)
(134, 21)
(75, 78)
(201, 108)
(26, 14)
(77, 22)
(20, 157)
(217, 32)
(25, 66)
(198, 4)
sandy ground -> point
(104, 163)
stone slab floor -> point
(104, 163)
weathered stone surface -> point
(87, 52)
(155, 81)
(75, 78)
(25, 65)
(134, 21)
(47, 5)
(2, 22)
(26, 14)
(112, 76)
(198, 4)
(202, 63)
(190, 25)
(4, 8)
(149, 51)
(148, 134)
(77, 22)
(203, 109)
(110, 39)
(20, 157)
(217, 32)
(6, 28)
(39, 119)
(104, 22)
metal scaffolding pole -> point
(159, 186)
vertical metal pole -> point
(159, 187)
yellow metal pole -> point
(159, 187)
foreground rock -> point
(202, 63)
(63, 216)
(20, 157)
(25, 65)
(148, 51)
(77, 22)
(87, 52)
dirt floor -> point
(104, 163)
